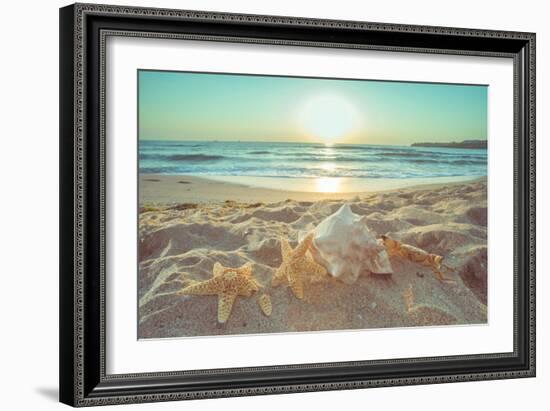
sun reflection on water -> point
(328, 166)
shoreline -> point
(171, 189)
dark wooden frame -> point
(83, 30)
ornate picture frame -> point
(84, 82)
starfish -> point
(227, 283)
(297, 265)
(417, 255)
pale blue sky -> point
(201, 106)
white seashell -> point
(344, 245)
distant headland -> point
(479, 144)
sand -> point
(155, 189)
(187, 224)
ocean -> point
(307, 160)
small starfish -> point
(227, 283)
(297, 265)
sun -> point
(328, 118)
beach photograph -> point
(279, 204)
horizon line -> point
(308, 142)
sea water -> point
(307, 160)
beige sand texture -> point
(181, 241)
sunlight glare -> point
(327, 185)
(328, 166)
(328, 118)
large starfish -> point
(297, 265)
(227, 283)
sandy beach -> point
(187, 224)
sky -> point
(204, 106)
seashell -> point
(264, 301)
(343, 244)
(417, 255)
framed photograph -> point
(261, 204)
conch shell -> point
(343, 244)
